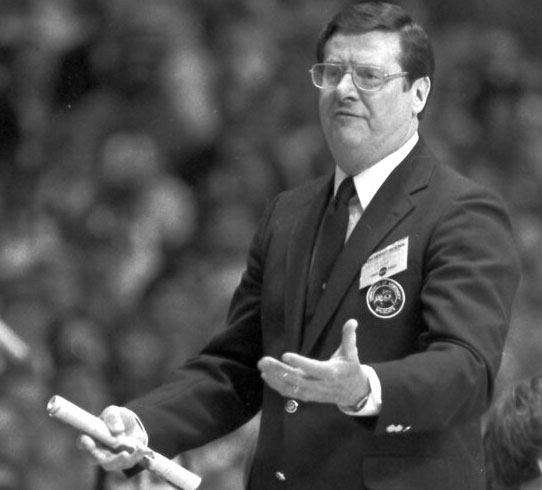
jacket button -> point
(396, 428)
(291, 406)
(279, 475)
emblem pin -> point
(385, 298)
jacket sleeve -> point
(471, 273)
(219, 389)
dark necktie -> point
(329, 244)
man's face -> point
(369, 125)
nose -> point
(346, 84)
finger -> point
(113, 419)
(349, 339)
(95, 455)
(275, 382)
(127, 453)
(274, 367)
(85, 443)
(132, 447)
(119, 461)
(279, 376)
(304, 366)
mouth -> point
(345, 113)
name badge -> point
(385, 263)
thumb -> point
(349, 347)
(112, 417)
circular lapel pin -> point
(385, 298)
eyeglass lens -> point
(365, 77)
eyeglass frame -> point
(385, 77)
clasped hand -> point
(339, 380)
(123, 424)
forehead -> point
(370, 48)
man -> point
(513, 437)
(373, 375)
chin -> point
(350, 132)
(351, 169)
(350, 140)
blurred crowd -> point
(139, 143)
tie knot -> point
(345, 192)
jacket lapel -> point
(298, 260)
(387, 209)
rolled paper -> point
(69, 413)
(10, 343)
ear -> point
(539, 463)
(420, 92)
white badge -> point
(384, 263)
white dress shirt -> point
(367, 184)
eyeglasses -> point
(367, 78)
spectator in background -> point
(513, 438)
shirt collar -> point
(369, 181)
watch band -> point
(359, 405)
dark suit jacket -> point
(436, 352)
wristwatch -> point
(359, 405)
